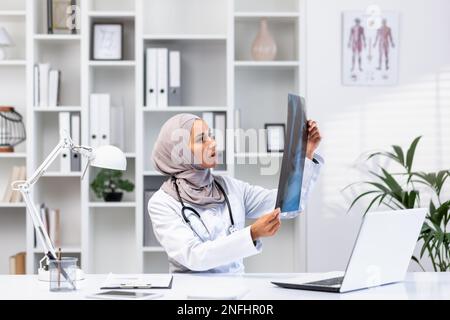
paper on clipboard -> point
(137, 281)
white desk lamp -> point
(5, 41)
(108, 157)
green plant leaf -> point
(410, 154)
(108, 180)
(399, 155)
(371, 204)
(359, 197)
(425, 244)
(418, 262)
(438, 214)
(391, 182)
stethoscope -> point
(232, 227)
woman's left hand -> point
(314, 139)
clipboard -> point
(127, 282)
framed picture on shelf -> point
(107, 41)
(63, 16)
(275, 134)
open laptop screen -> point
(291, 177)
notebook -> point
(138, 281)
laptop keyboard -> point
(327, 282)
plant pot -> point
(112, 196)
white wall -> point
(357, 119)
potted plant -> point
(107, 183)
(406, 190)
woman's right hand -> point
(266, 226)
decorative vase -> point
(264, 47)
(112, 196)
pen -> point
(59, 267)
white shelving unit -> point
(269, 81)
(218, 75)
(13, 92)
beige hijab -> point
(172, 156)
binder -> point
(36, 86)
(151, 78)
(118, 127)
(43, 84)
(75, 129)
(174, 78)
(220, 130)
(104, 119)
(220, 137)
(238, 131)
(64, 126)
(208, 117)
(163, 74)
(93, 116)
(99, 120)
(53, 88)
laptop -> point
(381, 254)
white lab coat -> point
(224, 252)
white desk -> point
(416, 286)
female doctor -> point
(199, 217)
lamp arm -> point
(25, 186)
(65, 142)
(38, 224)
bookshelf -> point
(13, 92)
(272, 80)
(218, 75)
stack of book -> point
(11, 196)
(46, 86)
(163, 78)
(17, 263)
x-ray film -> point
(291, 177)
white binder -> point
(64, 127)
(219, 130)
(104, 119)
(220, 137)
(174, 78)
(208, 117)
(151, 78)
(118, 125)
(93, 120)
(36, 86)
(163, 74)
(53, 88)
(44, 69)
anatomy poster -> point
(370, 48)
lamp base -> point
(44, 275)
(2, 54)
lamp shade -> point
(5, 39)
(109, 157)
